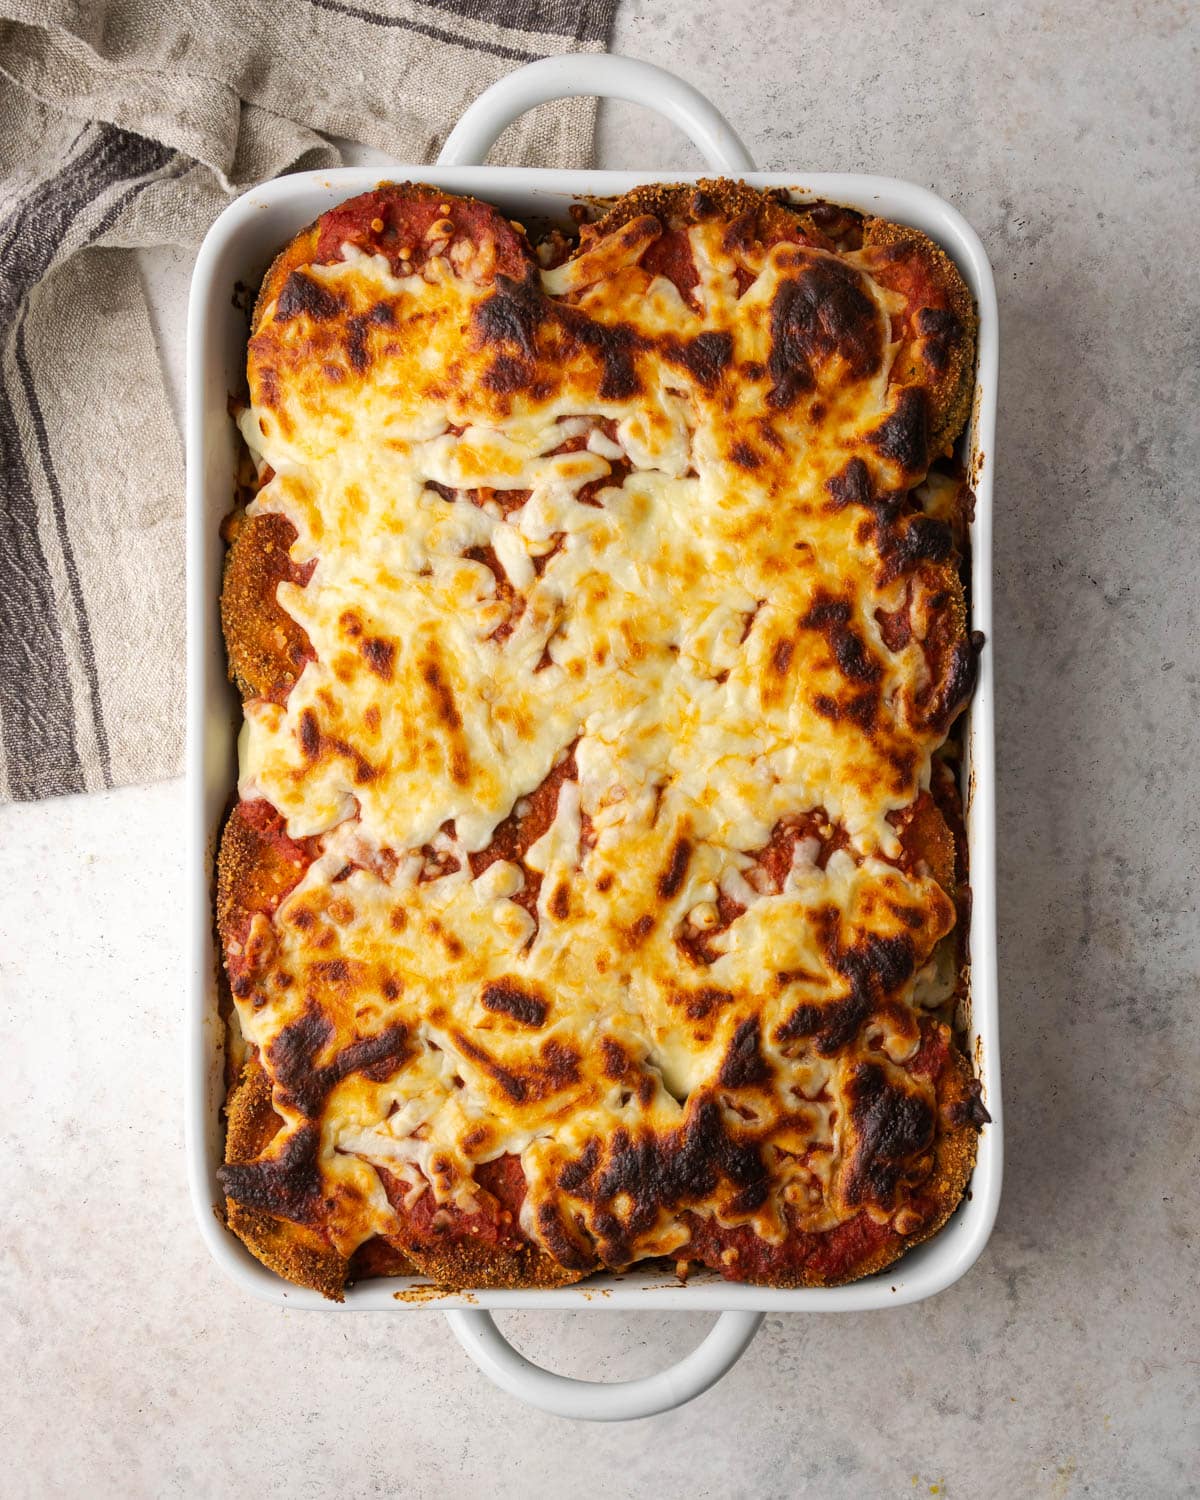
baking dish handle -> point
(608, 77)
(596, 1401)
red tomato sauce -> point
(396, 222)
(276, 869)
(671, 256)
(775, 857)
(493, 1223)
(831, 1256)
(932, 1054)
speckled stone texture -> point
(1066, 1362)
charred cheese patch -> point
(628, 642)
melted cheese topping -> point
(610, 557)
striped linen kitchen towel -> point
(128, 124)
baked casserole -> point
(596, 884)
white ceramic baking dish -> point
(237, 250)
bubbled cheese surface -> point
(627, 565)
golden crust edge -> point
(236, 862)
(463, 1266)
(248, 625)
(950, 393)
(293, 1251)
(730, 197)
(298, 251)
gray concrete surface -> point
(1066, 1362)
